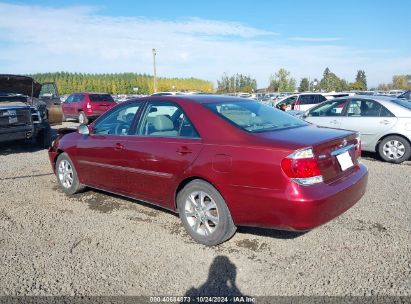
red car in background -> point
(218, 161)
(86, 106)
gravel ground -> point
(96, 243)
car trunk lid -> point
(338, 157)
(333, 149)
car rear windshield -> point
(254, 117)
(401, 102)
(101, 97)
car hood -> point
(16, 84)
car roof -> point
(386, 101)
(371, 97)
(202, 99)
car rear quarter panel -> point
(401, 128)
(258, 193)
(238, 171)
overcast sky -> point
(208, 38)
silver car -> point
(384, 123)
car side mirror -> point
(83, 130)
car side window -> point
(364, 108)
(69, 99)
(385, 112)
(117, 122)
(165, 119)
(78, 98)
(306, 99)
(321, 98)
(289, 100)
(48, 90)
(331, 108)
(186, 127)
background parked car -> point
(406, 95)
(384, 123)
(24, 112)
(218, 161)
(166, 93)
(305, 101)
(87, 106)
(50, 96)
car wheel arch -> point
(391, 134)
(58, 152)
(189, 179)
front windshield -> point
(254, 117)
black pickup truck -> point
(24, 112)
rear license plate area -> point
(344, 160)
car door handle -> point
(183, 150)
(333, 121)
(118, 146)
(385, 122)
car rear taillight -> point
(358, 145)
(302, 167)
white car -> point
(305, 101)
(384, 123)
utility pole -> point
(155, 75)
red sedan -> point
(218, 161)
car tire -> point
(43, 138)
(204, 213)
(394, 149)
(67, 176)
(82, 118)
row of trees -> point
(236, 83)
(282, 81)
(399, 82)
(331, 82)
(122, 83)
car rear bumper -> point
(18, 133)
(93, 113)
(301, 208)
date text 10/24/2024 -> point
(203, 299)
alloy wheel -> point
(201, 213)
(65, 174)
